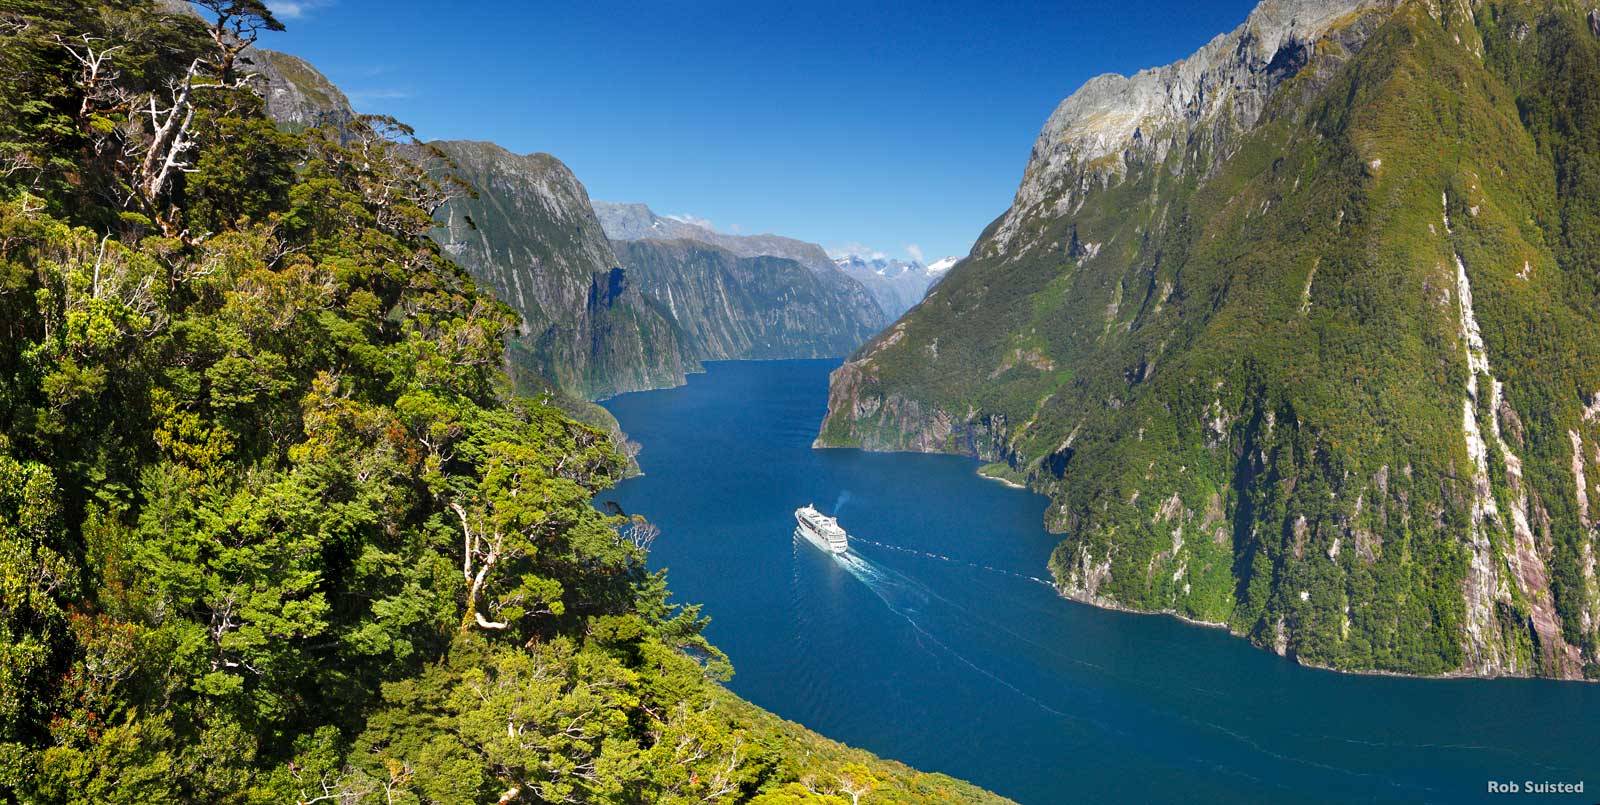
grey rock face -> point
(1090, 138)
(297, 95)
(624, 222)
(639, 222)
(731, 307)
(532, 237)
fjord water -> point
(935, 644)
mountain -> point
(298, 95)
(896, 284)
(585, 334)
(639, 222)
(1296, 335)
(530, 235)
(742, 295)
(731, 307)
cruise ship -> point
(821, 530)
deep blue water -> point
(960, 663)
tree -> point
(235, 27)
(856, 781)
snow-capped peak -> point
(941, 266)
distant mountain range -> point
(731, 307)
(639, 222)
(742, 296)
(896, 284)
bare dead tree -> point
(346, 787)
(641, 533)
(816, 788)
(486, 545)
(20, 162)
(854, 788)
(389, 164)
(97, 76)
(165, 153)
(157, 161)
(237, 26)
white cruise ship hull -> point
(821, 531)
(817, 540)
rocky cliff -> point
(298, 96)
(628, 222)
(531, 235)
(1293, 333)
(639, 222)
(731, 307)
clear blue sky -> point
(880, 125)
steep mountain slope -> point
(531, 236)
(896, 284)
(580, 351)
(1293, 333)
(298, 96)
(638, 222)
(731, 307)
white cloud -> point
(295, 9)
(915, 251)
(855, 248)
(368, 95)
(694, 220)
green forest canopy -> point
(273, 526)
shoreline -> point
(1112, 606)
(1106, 604)
(998, 479)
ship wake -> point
(942, 558)
(909, 598)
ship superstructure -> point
(821, 530)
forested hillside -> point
(273, 527)
(1298, 335)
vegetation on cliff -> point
(1307, 356)
(527, 231)
(273, 527)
